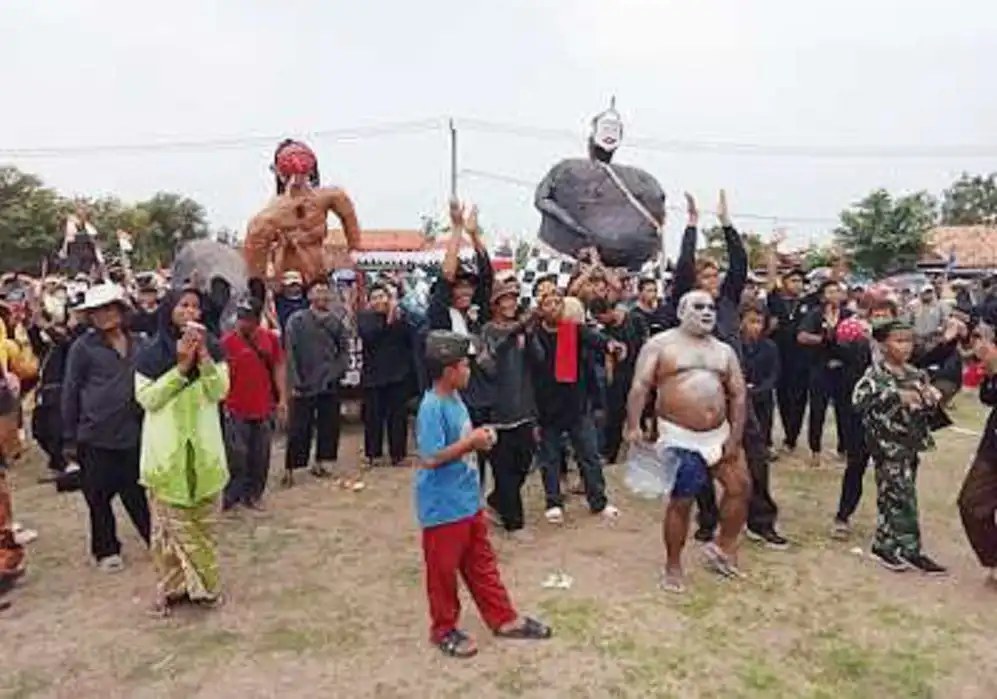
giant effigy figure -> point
(291, 230)
(80, 252)
(592, 202)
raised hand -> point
(723, 213)
(456, 215)
(471, 221)
(691, 210)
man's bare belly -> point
(694, 399)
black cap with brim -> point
(447, 347)
(882, 330)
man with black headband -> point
(294, 225)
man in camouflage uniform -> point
(897, 404)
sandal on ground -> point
(529, 630)
(160, 609)
(672, 582)
(457, 644)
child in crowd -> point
(448, 503)
(897, 402)
(761, 366)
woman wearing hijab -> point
(180, 380)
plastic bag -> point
(649, 475)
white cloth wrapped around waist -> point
(709, 443)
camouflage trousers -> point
(897, 529)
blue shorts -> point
(692, 473)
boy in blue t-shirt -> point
(448, 503)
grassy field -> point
(325, 600)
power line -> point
(497, 177)
(502, 128)
(742, 149)
(353, 134)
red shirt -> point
(250, 395)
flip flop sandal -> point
(670, 584)
(716, 562)
(454, 645)
(529, 630)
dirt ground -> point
(325, 600)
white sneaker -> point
(23, 536)
(610, 512)
(111, 564)
(555, 515)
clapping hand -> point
(691, 210)
(723, 212)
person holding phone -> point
(180, 379)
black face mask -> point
(597, 153)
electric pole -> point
(453, 160)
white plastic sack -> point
(649, 475)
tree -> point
(33, 217)
(882, 234)
(716, 247)
(971, 200)
(30, 221)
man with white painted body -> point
(701, 410)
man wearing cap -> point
(102, 422)
(504, 361)
(787, 307)
(294, 225)
(257, 379)
(290, 298)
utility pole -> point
(453, 160)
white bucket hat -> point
(101, 295)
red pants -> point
(463, 547)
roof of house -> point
(385, 239)
(974, 246)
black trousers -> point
(46, 428)
(313, 415)
(511, 459)
(791, 396)
(828, 387)
(106, 473)
(857, 461)
(762, 509)
(247, 445)
(481, 417)
(765, 410)
(385, 407)
(616, 415)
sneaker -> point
(840, 531)
(554, 515)
(704, 535)
(770, 538)
(22, 535)
(320, 471)
(925, 564)
(610, 512)
(111, 564)
(520, 536)
(890, 560)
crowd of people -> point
(139, 393)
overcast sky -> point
(883, 74)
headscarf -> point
(160, 355)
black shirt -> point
(387, 348)
(98, 394)
(827, 354)
(761, 367)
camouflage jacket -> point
(892, 429)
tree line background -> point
(881, 234)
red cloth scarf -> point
(566, 354)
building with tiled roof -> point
(973, 247)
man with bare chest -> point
(293, 226)
(701, 410)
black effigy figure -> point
(590, 202)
